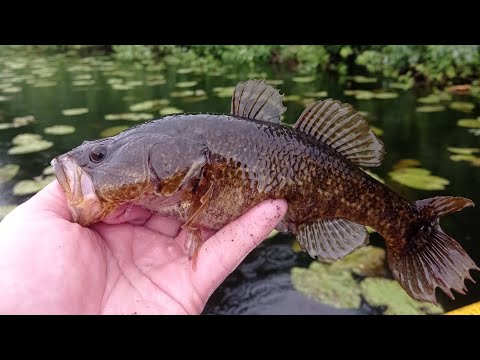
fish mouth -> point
(83, 202)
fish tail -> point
(429, 257)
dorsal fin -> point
(344, 129)
(255, 99)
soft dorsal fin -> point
(344, 129)
(331, 239)
(255, 99)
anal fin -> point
(331, 239)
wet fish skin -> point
(208, 169)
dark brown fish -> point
(208, 169)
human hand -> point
(133, 262)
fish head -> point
(99, 176)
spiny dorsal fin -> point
(344, 129)
(331, 239)
(255, 99)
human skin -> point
(133, 262)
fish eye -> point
(98, 153)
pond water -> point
(44, 86)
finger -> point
(129, 213)
(225, 250)
(163, 225)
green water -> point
(49, 84)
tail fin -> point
(431, 258)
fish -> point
(208, 169)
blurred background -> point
(422, 101)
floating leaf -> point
(12, 89)
(74, 111)
(223, 92)
(303, 79)
(48, 170)
(23, 120)
(430, 99)
(30, 148)
(406, 163)
(184, 71)
(463, 151)
(296, 246)
(83, 82)
(129, 116)
(363, 79)
(418, 178)
(363, 113)
(400, 86)
(469, 123)
(366, 261)
(149, 105)
(170, 110)
(291, 98)
(186, 84)
(464, 89)
(6, 209)
(8, 172)
(274, 82)
(317, 94)
(6, 126)
(4, 98)
(25, 139)
(360, 94)
(26, 187)
(59, 130)
(335, 288)
(385, 95)
(114, 130)
(389, 293)
(463, 106)
(188, 93)
(464, 157)
(430, 108)
(475, 132)
(44, 84)
(377, 131)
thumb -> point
(225, 250)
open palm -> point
(131, 263)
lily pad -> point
(316, 94)
(303, 79)
(275, 82)
(331, 287)
(184, 71)
(430, 108)
(404, 163)
(12, 89)
(475, 132)
(400, 86)
(377, 131)
(418, 178)
(292, 98)
(389, 293)
(463, 106)
(44, 84)
(114, 130)
(463, 151)
(385, 95)
(186, 84)
(59, 130)
(149, 105)
(48, 170)
(469, 123)
(4, 98)
(6, 209)
(430, 99)
(83, 82)
(6, 126)
(363, 79)
(466, 157)
(170, 110)
(30, 148)
(223, 92)
(366, 261)
(26, 187)
(23, 120)
(25, 139)
(129, 117)
(8, 172)
(74, 111)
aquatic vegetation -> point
(48, 170)
(114, 130)
(430, 108)
(375, 176)
(385, 95)
(418, 178)
(27, 187)
(74, 111)
(149, 105)
(316, 94)
(376, 130)
(401, 86)
(463, 106)
(331, 287)
(18, 122)
(388, 293)
(366, 261)
(28, 143)
(6, 209)
(362, 79)
(8, 172)
(223, 91)
(59, 130)
(303, 79)
(129, 117)
(469, 123)
(463, 151)
(170, 110)
(404, 163)
(186, 84)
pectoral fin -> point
(331, 239)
